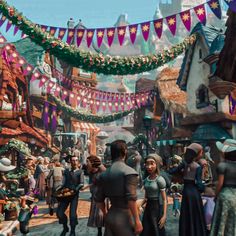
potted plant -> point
(11, 211)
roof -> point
(144, 84)
(217, 44)
(173, 98)
(209, 33)
(210, 132)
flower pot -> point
(11, 214)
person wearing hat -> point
(95, 168)
(5, 166)
(224, 218)
(192, 220)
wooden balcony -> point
(6, 115)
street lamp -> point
(147, 123)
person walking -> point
(73, 180)
(224, 217)
(119, 183)
(154, 218)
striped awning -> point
(83, 126)
(165, 142)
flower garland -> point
(97, 63)
(90, 118)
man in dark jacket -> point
(119, 184)
(73, 179)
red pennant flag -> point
(27, 70)
(158, 26)
(2, 39)
(122, 106)
(89, 36)
(61, 33)
(116, 106)
(100, 34)
(35, 76)
(121, 34)
(171, 22)
(70, 35)
(52, 31)
(110, 35)
(104, 106)
(201, 13)
(91, 102)
(9, 24)
(84, 102)
(79, 36)
(128, 105)
(64, 95)
(57, 91)
(110, 106)
(2, 20)
(43, 80)
(97, 105)
(44, 28)
(186, 19)
(50, 86)
(72, 98)
(15, 30)
(133, 32)
(145, 27)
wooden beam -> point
(11, 115)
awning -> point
(165, 142)
(85, 127)
(210, 132)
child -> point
(176, 200)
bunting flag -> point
(78, 101)
(61, 33)
(110, 35)
(54, 119)
(110, 106)
(46, 115)
(89, 37)
(43, 80)
(79, 36)
(100, 34)
(215, 7)
(44, 28)
(97, 105)
(2, 20)
(9, 25)
(171, 22)
(70, 35)
(52, 31)
(51, 84)
(121, 34)
(145, 28)
(64, 95)
(72, 98)
(201, 13)
(158, 26)
(57, 91)
(27, 70)
(35, 76)
(186, 19)
(232, 4)
(133, 32)
(15, 30)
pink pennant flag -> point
(27, 70)
(104, 106)
(128, 105)
(108, 95)
(89, 36)
(158, 26)
(2, 39)
(43, 80)
(127, 96)
(145, 27)
(110, 35)
(64, 95)
(2, 20)
(171, 22)
(91, 103)
(97, 105)
(100, 34)
(50, 86)
(44, 28)
(52, 31)
(78, 101)
(112, 96)
(116, 106)
(122, 106)
(201, 13)
(20, 63)
(110, 106)
(104, 94)
(186, 19)
(15, 30)
(84, 102)
(61, 33)
(35, 76)
(72, 98)
(70, 35)
(23, 35)
(9, 25)
(57, 91)
(79, 36)
(133, 32)
(121, 30)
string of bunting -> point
(97, 63)
(88, 117)
(75, 36)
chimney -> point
(71, 23)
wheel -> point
(24, 227)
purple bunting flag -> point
(44, 28)
(79, 36)
(171, 22)
(70, 35)
(2, 20)
(110, 35)
(100, 34)
(61, 33)
(52, 31)
(186, 19)
(158, 26)
(89, 36)
(133, 32)
(9, 25)
(215, 7)
(46, 115)
(54, 119)
(201, 13)
(15, 30)
(121, 34)
(145, 27)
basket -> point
(67, 196)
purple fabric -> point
(133, 32)
(44, 28)
(209, 209)
(45, 115)
(89, 36)
(215, 7)
(52, 30)
(145, 28)
(171, 22)
(201, 13)
(16, 30)
(186, 19)
(121, 30)
(2, 20)
(61, 33)
(100, 35)
(110, 35)
(70, 35)
(9, 25)
(158, 25)
(79, 36)
(54, 119)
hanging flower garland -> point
(97, 63)
(90, 118)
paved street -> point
(46, 225)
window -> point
(200, 54)
(202, 98)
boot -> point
(99, 231)
(65, 230)
(72, 231)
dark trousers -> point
(62, 206)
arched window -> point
(202, 97)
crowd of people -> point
(113, 188)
